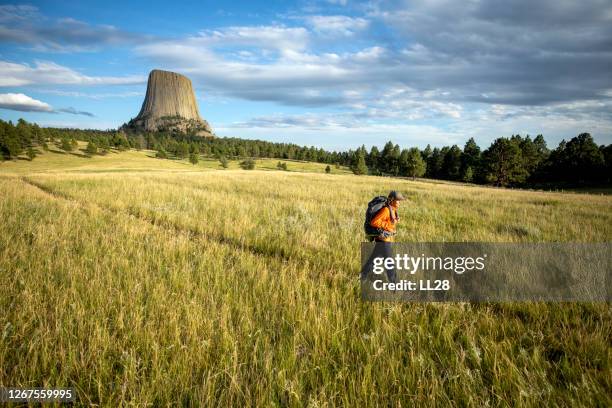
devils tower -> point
(169, 106)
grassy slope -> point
(144, 160)
(163, 284)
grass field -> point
(149, 282)
(58, 160)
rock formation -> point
(170, 105)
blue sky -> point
(333, 73)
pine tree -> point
(541, 147)
(10, 146)
(434, 163)
(182, 150)
(373, 159)
(606, 151)
(530, 155)
(415, 165)
(104, 145)
(91, 148)
(403, 162)
(468, 175)
(31, 153)
(386, 158)
(504, 163)
(360, 167)
(470, 159)
(394, 162)
(579, 161)
(66, 145)
(426, 153)
(193, 158)
(451, 167)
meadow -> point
(149, 282)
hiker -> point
(380, 227)
(386, 219)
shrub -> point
(247, 164)
(66, 145)
(193, 158)
(161, 154)
(224, 162)
(91, 148)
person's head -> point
(395, 197)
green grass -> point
(141, 281)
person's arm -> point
(381, 220)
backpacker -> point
(374, 207)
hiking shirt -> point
(384, 220)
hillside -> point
(139, 160)
(132, 278)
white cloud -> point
(457, 65)
(336, 25)
(105, 95)
(291, 70)
(274, 37)
(23, 103)
(44, 72)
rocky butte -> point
(169, 106)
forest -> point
(515, 161)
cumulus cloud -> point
(275, 37)
(545, 62)
(24, 103)
(387, 62)
(44, 72)
(292, 74)
(510, 52)
(471, 50)
(386, 109)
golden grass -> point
(56, 160)
(145, 282)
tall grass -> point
(228, 287)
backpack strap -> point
(393, 218)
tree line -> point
(517, 161)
